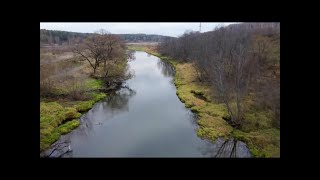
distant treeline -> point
(65, 37)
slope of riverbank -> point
(66, 91)
(262, 139)
(61, 115)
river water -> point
(147, 119)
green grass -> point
(262, 143)
(94, 84)
(83, 106)
(98, 96)
(53, 114)
(68, 126)
(211, 124)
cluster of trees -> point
(49, 37)
(59, 37)
(106, 51)
(239, 61)
(103, 55)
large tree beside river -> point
(106, 54)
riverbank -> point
(70, 87)
(60, 115)
(66, 92)
(257, 131)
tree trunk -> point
(105, 76)
(238, 109)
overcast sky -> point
(169, 29)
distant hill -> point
(65, 37)
(143, 37)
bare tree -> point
(235, 61)
(98, 48)
(90, 51)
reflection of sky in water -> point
(146, 121)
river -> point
(147, 119)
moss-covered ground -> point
(60, 116)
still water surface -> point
(144, 120)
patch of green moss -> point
(262, 143)
(49, 139)
(212, 127)
(195, 109)
(211, 124)
(214, 110)
(52, 115)
(82, 106)
(197, 92)
(68, 126)
(94, 84)
(71, 113)
(98, 96)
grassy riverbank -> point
(257, 130)
(61, 115)
(66, 91)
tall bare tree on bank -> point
(98, 48)
(231, 71)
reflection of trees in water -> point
(192, 117)
(115, 102)
(131, 55)
(87, 123)
(166, 68)
(227, 149)
(118, 101)
(223, 149)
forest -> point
(241, 66)
(51, 37)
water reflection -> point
(118, 101)
(166, 68)
(115, 103)
(226, 149)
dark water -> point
(144, 120)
